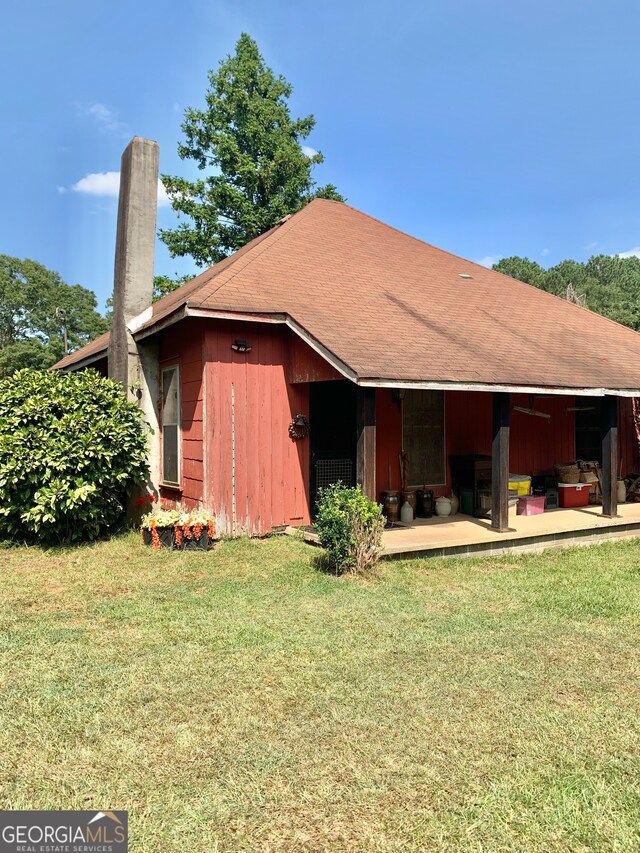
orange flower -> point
(155, 538)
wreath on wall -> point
(299, 427)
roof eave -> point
(83, 362)
(186, 310)
(443, 385)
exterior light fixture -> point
(240, 346)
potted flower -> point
(158, 528)
(195, 531)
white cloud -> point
(546, 252)
(61, 190)
(630, 253)
(488, 261)
(99, 183)
(107, 184)
(308, 151)
(107, 119)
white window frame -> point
(164, 481)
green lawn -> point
(242, 700)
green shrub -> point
(71, 446)
(350, 528)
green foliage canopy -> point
(252, 147)
(164, 284)
(30, 331)
(609, 285)
(70, 448)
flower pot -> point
(190, 542)
(166, 537)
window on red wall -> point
(171, 425)
(423, 438)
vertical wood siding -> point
(305, 365)
(388, 441)
(536, 444)
(628, 446)
(257, 476)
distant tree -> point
(35, 307)
(524, 270)
(607, 284)
(252, 147)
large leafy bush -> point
(71, 446)
(350, 528)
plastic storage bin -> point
(530, 505)
(521, 483)
(573, 494)
(466, 501)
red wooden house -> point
(381, 343)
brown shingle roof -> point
(390, 307)
(97, 348)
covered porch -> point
(464, 535)
(519, 433)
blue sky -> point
(488, 128)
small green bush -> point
(71, 446)
(350, 528)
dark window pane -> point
(423, 436)
(170, 396)
(170, 453)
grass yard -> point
(241, 700)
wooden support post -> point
(500, 463)
(610, 458)
(366, 446)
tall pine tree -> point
(247, 141)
